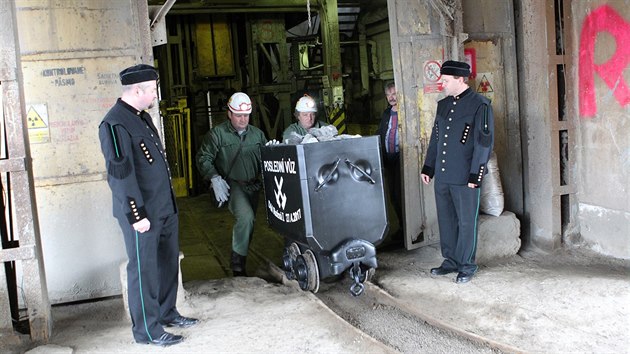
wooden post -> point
(18, 168)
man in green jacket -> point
(229, 157)
(305, 113)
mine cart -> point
(327, 200)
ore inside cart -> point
(327, 200)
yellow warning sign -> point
(34, 119)
(37, 123)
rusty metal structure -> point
(216, 48)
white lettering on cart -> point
(294, 216)
(282, 166)
(276, 213)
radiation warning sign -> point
(37, 123)
(484, 85)
(35, 120)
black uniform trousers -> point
(457, 211)
(152, 276)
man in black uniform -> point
(388, 131)
(459, 149)
(144, 204)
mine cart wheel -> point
(307, 272)
(289, 257)
(313, 271)
(287, 264)
(294, 250)
(301, 272)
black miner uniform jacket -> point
(461, 140)
(137, 169)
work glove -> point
(220, 187)
(272, 142)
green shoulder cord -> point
(119, 167)
(114, 140)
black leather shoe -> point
(164, 340)
(182, 322)
(442, 271)
(238, 273)
(463, 277)
(238, 263)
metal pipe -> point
(162, 12)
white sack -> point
(491, 190)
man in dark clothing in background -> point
(144, 205)
(388, 131)
(459, 149)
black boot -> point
(238, 265)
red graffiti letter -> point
(604, 18)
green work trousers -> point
(242, 205)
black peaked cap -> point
(138, 73)
(455, 68)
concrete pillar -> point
(538, 214)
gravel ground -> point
(392, 326)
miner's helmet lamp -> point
(240, 103)
(306, 104)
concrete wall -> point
(597, 74)
(71, 53)
(531, 31)
(601, 31)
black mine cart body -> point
(327, 200)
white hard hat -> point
(306, 104)
(240, 103)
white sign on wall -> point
(37, 123)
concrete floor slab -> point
(569, 301)
(237, 315)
